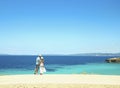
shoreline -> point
(60, 81)
(82, 74)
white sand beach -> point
(60, 81)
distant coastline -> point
(97, 54)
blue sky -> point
(59, 26)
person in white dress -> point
(42, 67)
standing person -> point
(37, 64)
(42, 67)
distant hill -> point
(97, 54)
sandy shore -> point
(59, 81)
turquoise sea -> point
(14, 64)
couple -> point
(40, 65)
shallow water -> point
(59, 65)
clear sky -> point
(59, 26)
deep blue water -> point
(59, 65)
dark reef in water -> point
(113, 60)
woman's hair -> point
(42, 59)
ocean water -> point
(13, 65)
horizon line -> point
(64, 54)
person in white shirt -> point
(37, 64)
